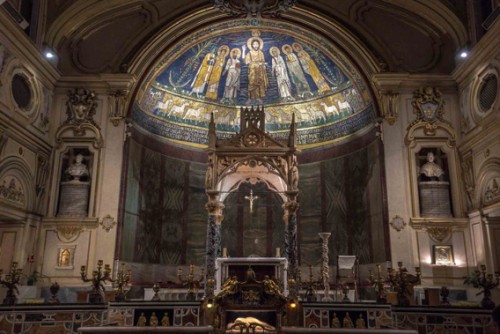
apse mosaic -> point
(221, 68)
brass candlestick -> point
(379, 283)
(121, 282)
(310, 287)
(481, 280)
(99, 277)
(191, 283)
(402, 282)
(10, 282)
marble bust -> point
(77, 169)
(430, 168)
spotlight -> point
(464, 54)
(49, 55)
(210, 303)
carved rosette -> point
(81, 108)
(428, 105)
(107, 223)
(398, 223)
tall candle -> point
(278, 252)
(224, 252)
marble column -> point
(325, 270)
(290, 217)
(213, 249)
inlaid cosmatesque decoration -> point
(225, 66)
(107, 222)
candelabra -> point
(121, 282)
(378, 282)
(99, 277)
(10, 282)
(191, 283)
(401, 281)
(325, 275)
(310, 287)
(479, 279)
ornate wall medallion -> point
(107, 223)
(398, 223)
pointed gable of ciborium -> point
(251, 153)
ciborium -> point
(190, 282)
(99, 277)
(11, 281)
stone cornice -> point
(482, 53)
(18, 43)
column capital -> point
(214, 207)
(291, 206)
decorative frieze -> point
(11, 191)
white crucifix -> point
(251, 198)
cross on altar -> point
(251, 198)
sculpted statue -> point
(229, 287)
(77, 169)
(430, 168)
(270, 287)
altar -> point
(274, 267)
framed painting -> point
(443, 255)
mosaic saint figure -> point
(165, 321)
(335, 321)
(280, 73)
(360, 322)
(296, 73)
(213, 82)
(141, 322)
(203, 74)
(233, 69)
(348, 321)
(310, 67)
(153, 321)
(257, 77)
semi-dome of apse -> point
(226, 66)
